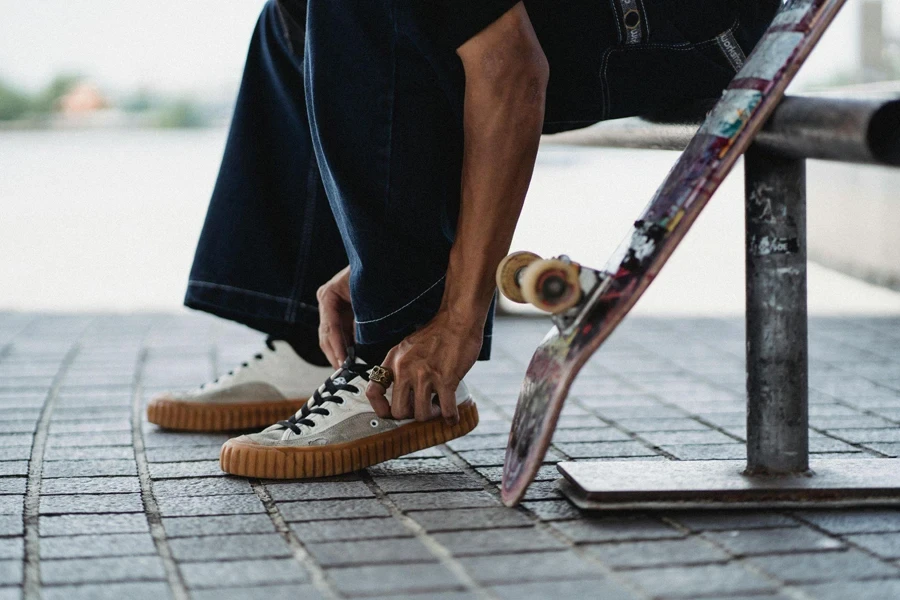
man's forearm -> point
(506, 80)
(504, 112)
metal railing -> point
(864, 130)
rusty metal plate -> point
(653, 485)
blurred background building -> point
(113, 117)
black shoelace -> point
(269, 345)
(349, 371)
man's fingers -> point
(330, 336)
(400, 400)
(422, 399)
(335, 318)
(447, 397)
(327, 344)
(338, 347)
(376, 395)
(348, 327)
(400, 395)
(341, 333)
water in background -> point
(107, 220)
(101, 219)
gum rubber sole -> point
(180, 415)
(267, 462)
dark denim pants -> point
(343, 149)
(346, 148)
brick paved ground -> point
(95, 503)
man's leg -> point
(269, 240)
(387, 128)
(268, 243)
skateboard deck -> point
(727, 133)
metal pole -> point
(861, 129)
(777, 342)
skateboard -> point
(587, 304)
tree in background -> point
(16, 104)
(70, 94)
(13, 104)
(181, 113)
(47, 101)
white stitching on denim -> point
(213, 306)
(432, 286)
(646, 19)
(680, 47)
(248, 292)
(604, 83)
(604, 80)
(612, 4)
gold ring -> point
(382, 376)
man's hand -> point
(336, 324)
(506, 81)
(433, 360)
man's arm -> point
(506, 81)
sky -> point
(170, 45)
(199, 45)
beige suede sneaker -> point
(337, 432)
(271, 386)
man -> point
(377, 163)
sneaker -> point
(337, 432)
(272, 385)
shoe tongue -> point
(344, 375)
(341, 377)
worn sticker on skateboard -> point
(732, 113)
(766, 245)
(768, 59)
(791, 17)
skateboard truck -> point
(555, 285)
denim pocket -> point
(669, 52)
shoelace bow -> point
(349, 371)
(259, 356)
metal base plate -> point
(654, 485)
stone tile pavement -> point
(96, 503)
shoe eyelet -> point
(373, 423)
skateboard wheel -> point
(509, 274)
(551, 285)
